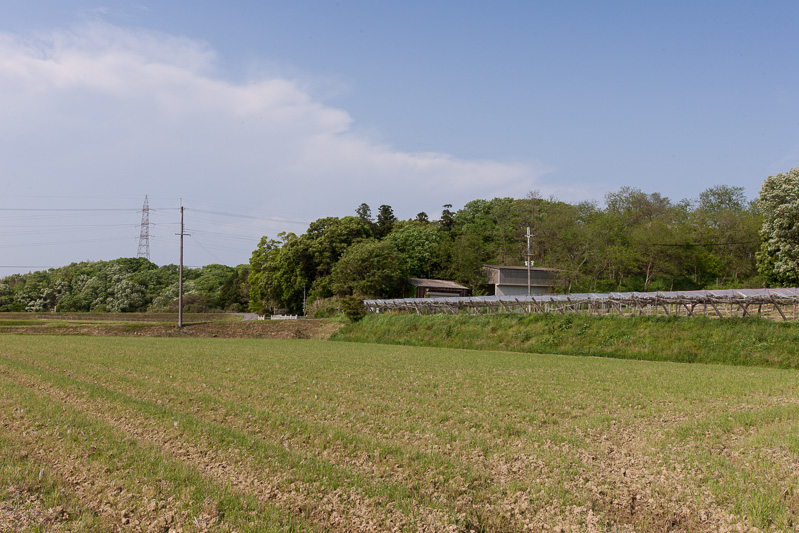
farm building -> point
(437, 288)
(512, 280)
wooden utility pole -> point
(180, 270)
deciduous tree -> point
(778, 258)
(369, 269)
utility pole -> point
(529, 264)
(180, 269)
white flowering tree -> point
(778, 258)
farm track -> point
(370, 460)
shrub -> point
(192, 303)
(353, 308)
(324, 307)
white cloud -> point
(125, 84)
(98, 108)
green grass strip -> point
(733, 341)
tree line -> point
(126, 285)
(635, 241)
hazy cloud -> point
(135, 96)
(99, 109)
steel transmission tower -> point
(144, 235)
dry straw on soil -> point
(213, 435)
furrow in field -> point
(465, 489)
(583, 450)
(610, 494)
(86, 483)
(112, 483)
(376, 458)
(340, 508)
(604, 482)
(424, 475)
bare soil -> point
(257, 329)
(345, 437)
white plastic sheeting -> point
(736, 301)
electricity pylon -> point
(144, 234)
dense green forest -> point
(636, 241)
(125, 285)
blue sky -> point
(284, 112)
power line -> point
(28, 266)
(206, 249)
(82, 209)
(53, 243)
(691, 244)
(229, 232)
(220, 235)
(251, 217)
(19, 233)
(42, 226)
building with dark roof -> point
(437, 288)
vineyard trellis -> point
(779, 304)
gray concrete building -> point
(512, 280)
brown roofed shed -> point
(437, 288)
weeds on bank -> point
(736, 341)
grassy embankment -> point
(100, 433)
(755, 342)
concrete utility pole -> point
(180, 269)
(529, 264)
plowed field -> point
(203, 434)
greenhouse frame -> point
(777, 304)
